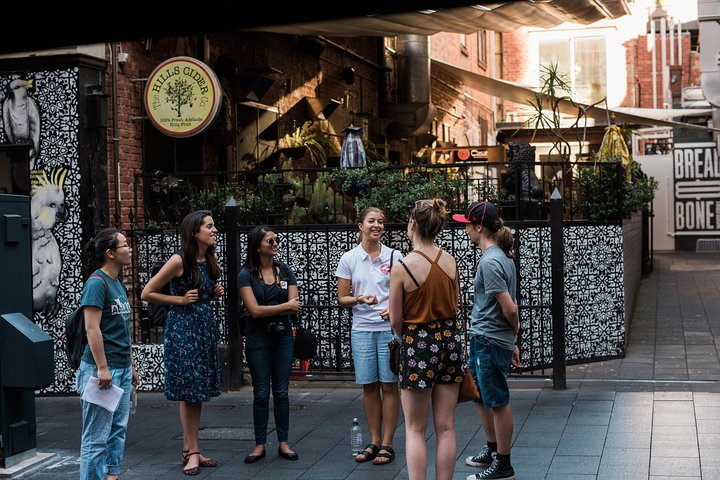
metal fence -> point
(313, 251)
(336, 195)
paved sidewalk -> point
(653, 415)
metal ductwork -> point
(413, 114)
(709, 19)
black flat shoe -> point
(254, 458)
(288, 456)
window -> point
(463, 44)
(482, 48)
(582, 60)
(445, 133)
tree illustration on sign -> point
(179, 93)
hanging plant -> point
(302, 143)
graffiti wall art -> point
(40, 110)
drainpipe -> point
(654, 62)
(413, 114)
(413, 68)
(679, 35)
(116, 137)
(671, 34)
(493, 98)
(664, 65)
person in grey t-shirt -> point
(494, 328)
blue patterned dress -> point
(192, 357)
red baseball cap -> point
(480, 213)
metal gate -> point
(313, 251)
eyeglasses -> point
(273, 241)
(123, 246)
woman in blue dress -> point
(192, 359)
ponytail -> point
(94, 251)
(504, 239)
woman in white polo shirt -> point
(363, 284)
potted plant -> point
(301, 143)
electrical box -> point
(26, 351)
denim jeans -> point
(491, 366)
(269, 359)
(102, 442)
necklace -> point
(275, 272)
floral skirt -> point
(431, 353)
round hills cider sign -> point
(182, 97)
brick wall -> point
(518, 63)
(463, 113)
(642, 84)
(143, 57)
(296, 73)
(520, 66)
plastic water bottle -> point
(133, 399)
(355, 438)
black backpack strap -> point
(409, 272)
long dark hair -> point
(189, 248)
(94, 252)
(254, 239)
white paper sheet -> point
(108, 398)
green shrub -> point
(600, 196)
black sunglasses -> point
(273, 241)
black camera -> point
(277, 328)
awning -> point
(666, 113)
(499, 16)
(271, 16)
(523, 95)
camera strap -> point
(276, 271)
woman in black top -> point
(268, 289)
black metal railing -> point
(314, 249)
(590, 191)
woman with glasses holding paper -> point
(269, 292)
(107, 360)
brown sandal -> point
(208, 462)
(186, 458)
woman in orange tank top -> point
(423, 311)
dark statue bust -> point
(522, 183)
